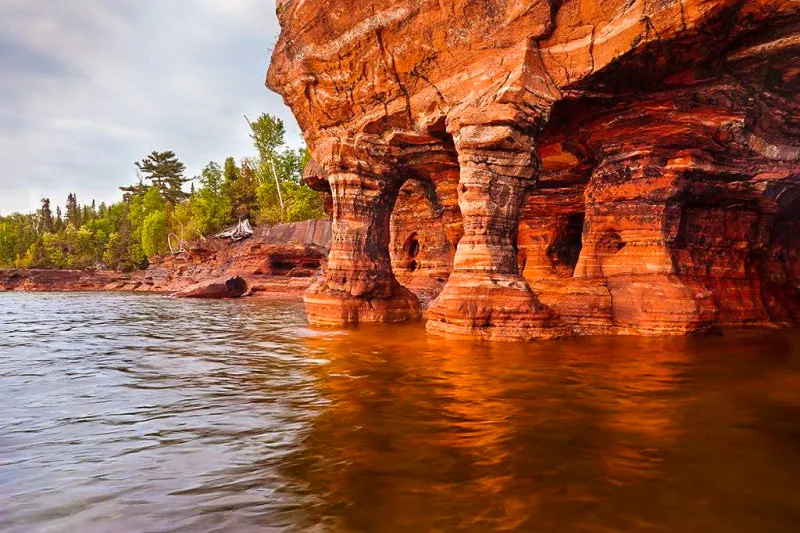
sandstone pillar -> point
(359, 285)
(632, 241)
(485, 296)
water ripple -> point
(142, 413)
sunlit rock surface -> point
(531, 169)
(280, 260)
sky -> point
(88, 87)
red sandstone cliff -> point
(543, 167)
(276, 260)
(43, 280)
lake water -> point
(142, 413)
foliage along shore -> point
(265, 188)
(279, 261)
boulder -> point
(234, 287)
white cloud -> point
(89, 87)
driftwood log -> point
(240, 231)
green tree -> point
(79, 244)
(281, 195)
(154, 234)
(269, 205)
(58, 223)
(136, 216)
(133, 190)
(115, 252)
(122, 252)
(243, 193)
(152, 222)
(73, 211)
(153, 201)
(46, 215)
(165, 171)
(33, 257)
(183, 221)
(268, 133)
(299, 201)
(9, 240)
(211, 206)
(51, 252)
(304, 203)
(231, 171)
(290, 164)
(89, 212)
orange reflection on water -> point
(426, 433)
(251, 421)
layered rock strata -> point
(43, 280)
(277, 261)
(536, 168)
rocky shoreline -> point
(277, 262)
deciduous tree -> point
(212, 208)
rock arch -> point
(667, 124)
(421, 251)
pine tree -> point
(73, 211)
(244, 200)
(133, 190)
(231, 171)
(165, 171)
(88, 214)
(58, 223)
(47, 216)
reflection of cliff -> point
(624, 166)
(422, 434)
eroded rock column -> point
(634, 212)
(359, 285)
(485, 296)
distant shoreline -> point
(69, 280)
(64, 280)
(278, 262)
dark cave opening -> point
(412, 246)
(568, 243)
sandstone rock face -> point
(533, 168)
(278, 261)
